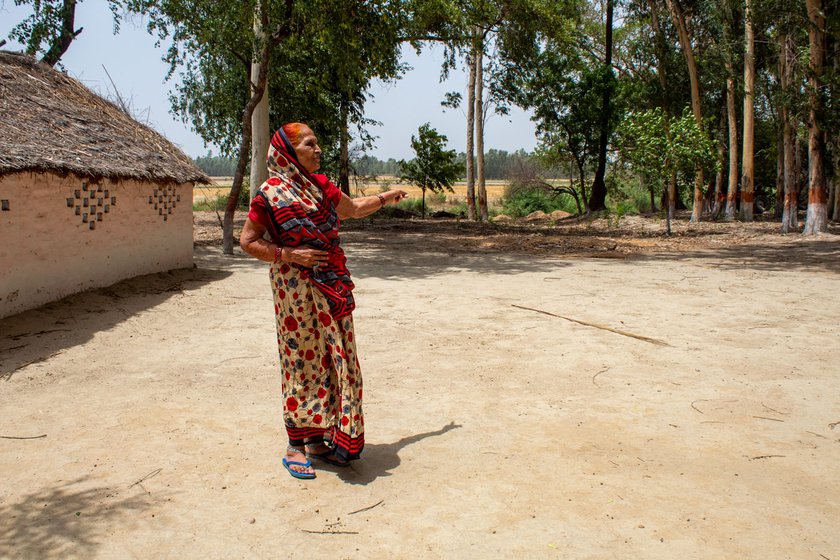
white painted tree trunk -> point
(260, 134)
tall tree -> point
(260, 129)
(678, 15)
(747, 159)
(816, 220)
(598, 194)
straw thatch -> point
(50, 122)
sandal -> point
(297, 474)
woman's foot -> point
(296, 462)
(324, 453)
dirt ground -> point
(587, 390)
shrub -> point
(521, 201)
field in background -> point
(495, 191)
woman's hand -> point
(394, 195)
(306, 257)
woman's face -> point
(308, 151)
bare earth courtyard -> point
(584, 391)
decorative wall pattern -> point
(91, 203)
(164, 200)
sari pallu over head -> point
(299, 209)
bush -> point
(521, 201)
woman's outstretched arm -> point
(367, 205)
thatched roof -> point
(51, 122)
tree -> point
(747, 159)
(433, 168)
(678, 16)
(816, 220)
(598, 198)
(657, 148)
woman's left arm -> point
(367, 205)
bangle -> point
(278, 254)
(381, 200)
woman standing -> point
(313, 298)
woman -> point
(313, 298)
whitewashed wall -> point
(62, 235)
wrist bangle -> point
(381, 200)
(278, 254)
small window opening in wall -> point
(4, 204)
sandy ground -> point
(704, 424)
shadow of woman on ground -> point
(379, 459)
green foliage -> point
(51, 27)
(433, 168)
(656, 146)
(523, 201)
(216, 166)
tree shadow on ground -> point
(381, 458)
(817, 255)
(70, 520)
(38, 334)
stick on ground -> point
(593, 325)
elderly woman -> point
(313, 298)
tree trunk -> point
(732, 118)
(747, 158)
(598, 196)
(471, 213)
(479, 132)
(719, 196)
(260, 133)
(245, 142)
(669, 193)
(62, 43)
(344, 148)
(790, 206)
(685, 43)
(816, 220)
(779, 203)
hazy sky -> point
(136, 68)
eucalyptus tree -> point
(816, 220)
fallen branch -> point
(774, 410)
(367, 508)
(330, 532)
(766, 418)
(832, 425)
(765, 457)
(697, 409)
(24, 437)
(815, 434)
(603, 328)
(238, 358)
(148, 476)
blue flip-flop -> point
(296, 474)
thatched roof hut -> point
(50, 122)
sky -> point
(137, 71)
